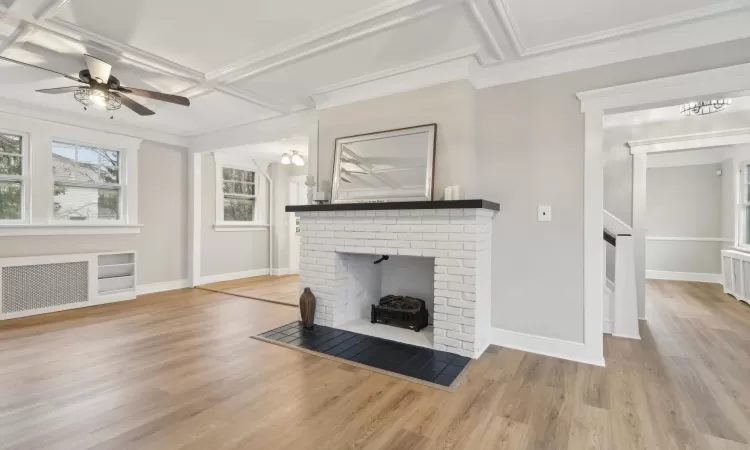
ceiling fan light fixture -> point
(297, 160)
(98, 99)
(285, 159)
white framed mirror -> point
(388, 166)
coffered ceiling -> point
(242, 61)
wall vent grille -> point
(27, 288)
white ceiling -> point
(242, 61)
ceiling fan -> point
(104, 91)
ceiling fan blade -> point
(134, 105)
(98, 69)
(42, 68)
(176, 99)
(60, 90)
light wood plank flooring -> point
(178, 371)
(284, 290)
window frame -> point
(260, 213)
(225, 195)
(24, 178)
(742, 190)
(121, 186)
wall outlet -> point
(544, 213)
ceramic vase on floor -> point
(307, 308)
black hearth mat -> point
(384, 356)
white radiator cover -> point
(43, 284)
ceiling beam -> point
(491, 51)
(380, 18)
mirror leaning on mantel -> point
(388, 166)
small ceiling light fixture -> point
(98, 99)
(707, 107)
(295, 159)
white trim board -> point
(556, 348)
(694, 141)
(684, 276)
(689, 239)
(165, 286)
(64, 229)
(208, 279)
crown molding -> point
(492, 51)
(23, 109)
(692, 141)
(502, 12)
(374, 20)
(52, 9)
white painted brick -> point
(440, 347)
(370, 213)
(449, 294)
(410, 236)
(422, 244)
(460, 271)
(435, 237)
(456, 212)
(448, 342)
(350, 213)
(363, 250)
(460, 303)
(461, 237)
(463, 254)
(409, 220)
(440, 301)
(450, 229)
(360, 213)
(443, 212)
(470, 246)
(449, 310)
(460, 287)
(469, 313)
(417, 212)
(386, 236)
(439, 284)
(450, 245)
(393, 213)
(423, 228)
(447, 326)
(435, 220)
(385, 220)
(465, 337)
(439, 332)
(469, 296)
(335, 227)
(450, 278)
(470, 280)
(386, 251)
(398, 244)
(381, 213)
(439, 269)
(437, 317)
(409, 252)
(375, 243)
(435, 253)
(449, 262)
(469, 329)
(397, 228)
(462, 221)
(469, 263)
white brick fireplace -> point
(336, 262)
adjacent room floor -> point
(284, 289)
(178, 371)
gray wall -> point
(450, 105)
(530, 140)
(162, 209)
(684, 201)
(226, 252)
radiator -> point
(44, 286)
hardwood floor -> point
(178, 371)
(284, 289)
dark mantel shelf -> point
(443, 204)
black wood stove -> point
(400, 311)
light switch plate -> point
(544, 213)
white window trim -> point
(38, 217)
(122, 186)
(261, 202)
(741, 191)
(25, 179)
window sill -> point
(65, 229)
(239, 227)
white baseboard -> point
(144, 289)
(684, 276)
(233, 276)
(556, 348)
(281, 272)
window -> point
(87, 183)
(12, 178)
(239, 194)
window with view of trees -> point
(87, 182)
(11, 177)
(239, 195)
